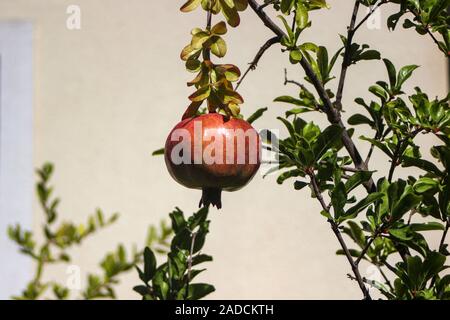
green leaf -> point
(200, 259)
(339, 199)
(219, 28)
(190, 5)
(357, 179)
(230, 13)
(356, 233)
(201, 94)
(218, 47)
(298, 185)
(199, 39)
(361, 205)
(379, 92)
(178, 220)
(433, 264)
(286, 6)
(288, 126)
(198, 218)
(369, 55)
(379, 145)
(425, 184)
(199, 290)
(301, 15)
(140, 273)
(296, 111)
(392, 73)
(408, 201)
(334, 58)
(358, 118)
(287, 27)
(326, 140)
(401, 233)
(322, 62)
(427, 226)
(295, 56)
(193, 65)
(404, 74)
(142, 290)
(241, 5)
(231, 96)
(394, 18)
(291, 100)
(422, 164)
(160, 286)
(149, 264)
(231, 72)
(354, 253)
(288, 174)
(414, 269)
(158, 152)
(256, 115)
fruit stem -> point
(211, 196)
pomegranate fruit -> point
(212, 152)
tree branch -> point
(335, 228)
(369, 243)
(372, 11)
(399, 149)
(286, 81)
(435, 40)
(347, 58)
(444, 235)
(333, 114)
(189, 271)
(207, 52)
(386, 279)
(346, 61)
(258, 56)
(441, 248)
(302, 87)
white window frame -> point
(16, 163)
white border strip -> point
(16, 137)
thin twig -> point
(286, 81)
(335, 228)
(350, 169)
(207, 51)
(394, 161)
(347, 55)
(399, 149)
(369, 243)
(386, 279)
(191, 252)
(444, 235)
(372, 11)
(371, 283)
(441, 247)
(267, 4)
(390, 267)
(259, 54)
(435, 40)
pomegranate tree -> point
(328, 160)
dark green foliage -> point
(385, 221)
(172, 279)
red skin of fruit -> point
(215, 177)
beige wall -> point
(107, 95)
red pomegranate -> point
(213, 152)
